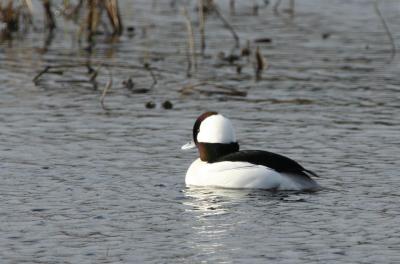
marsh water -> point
(83, 184)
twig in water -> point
(36, 78)
(148, 67)
(261, 64)
(192, 51)
(378, 12)
(227, 25)
(93, 76)
(106, 88)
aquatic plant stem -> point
(202, 26)
(227, 25)
(390, 36)
(106, 88)
(291, 8)
(50, 22)
(276, 7)
(113, 13)
(191, 45)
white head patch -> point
(216, 129)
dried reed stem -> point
(276, 7)
(93, 18)
(153, 76)
(202, 26)
(36, 78)
(232, 7)
(72, 12)
(390, 36)
(291, 8)
(106, 88)
(114, 15)
(28, 4)
(261, 64)
(50, 22)
(227, 25)
(191, 45)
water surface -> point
(83, 185)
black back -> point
(271, 160)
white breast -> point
(229, 174)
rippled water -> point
(83, 185)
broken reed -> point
(11, 14)
(95, 9)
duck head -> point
(214, 137)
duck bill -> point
(189, 145)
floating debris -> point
(231, 58)
(238, 69)
(167, 105)
(246, 51)
(325, 35)
(150, 105)
(128, 84)
(215, 90)
(263, 40)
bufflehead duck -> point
(221, 164)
